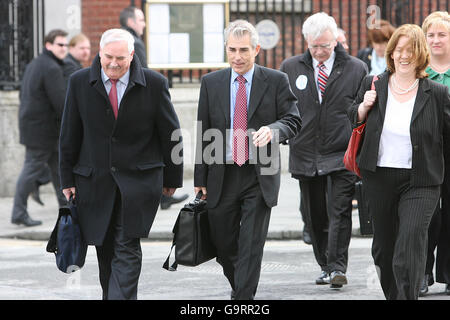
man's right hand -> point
(68, 192)
(202, 189)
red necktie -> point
(240, 141)
(322, 78)
(113, 97)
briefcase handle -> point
(198, 197)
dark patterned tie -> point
(322, 78)
(113, 97)
(240, 141)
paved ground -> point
(27, 272)
(285, 221)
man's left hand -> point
(169, 191)
(262, 136)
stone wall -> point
(184, 99)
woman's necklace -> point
(399, 90)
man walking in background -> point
(325, 80)
(42, 96)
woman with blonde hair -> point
(402, 159)
(436, 28)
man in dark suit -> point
(115, 157)
(241, 186)
(325, 80)
(41, 105)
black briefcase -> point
(191, 236)
(365, 219)
(66, 240)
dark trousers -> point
(401, 216)
(119, 259)
(327, 202)
(239, 225)
(36, 164)
(439, 237)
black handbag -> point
(191, 236)
(365, 218)
(66, 240)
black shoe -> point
(166, 201)
(338, 279)
(324, 278)
(233, 295)
(26, 221)
(306, 236)
(447, 289)
(36, 196)
(426, 281)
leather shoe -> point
(26, 221)
(306, 236)
(338, 279)
(166, 201)
(324, 278)
(447, 289)
(426, 281)
(233, 295)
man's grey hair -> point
(113, 35)
(240, 28)
(317, 24)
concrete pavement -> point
(285, 223)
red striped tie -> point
(240, 141)
(322, 78)
(113, 97)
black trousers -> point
(439, 237)
(119, 259)
(401, 216)
(36, 165)
(239, 225)
(327, 203)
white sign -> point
(269, 34)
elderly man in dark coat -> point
(325, 80)
(115, 157)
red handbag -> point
(355, 143)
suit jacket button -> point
(113, 169)
(416, 148)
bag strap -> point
(174, 265)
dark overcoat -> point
(320, 145)
(100, 155)
(42, 95)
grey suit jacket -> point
(272, 104)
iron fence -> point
(21, 25)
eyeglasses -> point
(321, 46)
(61, 44)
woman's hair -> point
(437, 18)
(420, 51)
(382, 32)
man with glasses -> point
(325, 80)
(42, 96)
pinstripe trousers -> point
(401, 216)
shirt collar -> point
(328, 63)
(432, 73)
(248, 76)
(124, 79)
